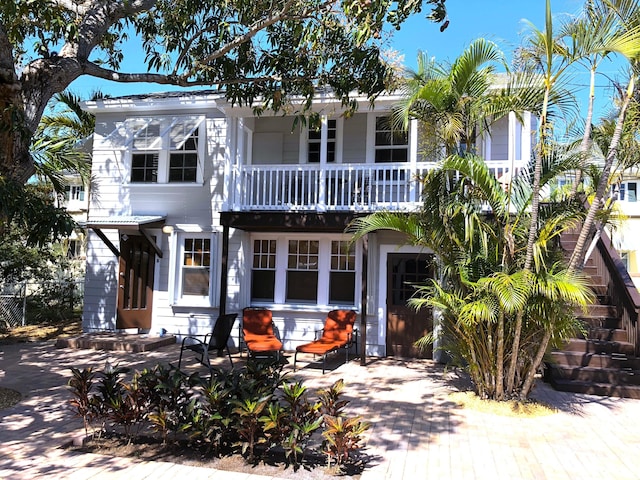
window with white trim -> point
(263, 272)
(391, 143)
(628, 192)
(192, 277)
(315, 143)
(342, 273)
(74, 193)
(166, 150)
(303, 270)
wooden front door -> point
(135, 282)
(404, 324)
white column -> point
(526, 138)
(322, 187)
(511, 151)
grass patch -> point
(508, 408)
(42, 332)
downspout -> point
(224, 269)
(364, 301)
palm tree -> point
(58, 145)
(484, 286)
(452, 97)
(626, 42)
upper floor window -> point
(74, 192)
(628, 192)
(315, 143)
(391, 142)
(166, 150)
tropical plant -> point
(342, 436)
(80, 385)
(484, 287)
(303, 419)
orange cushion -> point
(262, 343)
(257, 321)
(319, 347)
(338, 328)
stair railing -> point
(620, 287)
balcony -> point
(336, 187)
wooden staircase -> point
(605, 360)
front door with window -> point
(404, 324)
(135, 282)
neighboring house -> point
(76, 201)
(625, 238)
(207, 208)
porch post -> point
(363, 309)
(224, 269)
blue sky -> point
(501, 21)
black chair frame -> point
(217, 340)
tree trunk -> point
(586, 136)
(537, 361)
(576, 262)
(500, 358)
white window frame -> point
(324, 138)
(163, 147)
(324, 269)
(177, 243)
(412, 141)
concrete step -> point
(604, 347)
(116, 341)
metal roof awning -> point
(137, 223)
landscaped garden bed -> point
(251, 419)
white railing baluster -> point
(355, 186)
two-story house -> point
(203, 207)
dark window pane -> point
(342, 287)
(144, 167)
(263, 285)
(302, 286)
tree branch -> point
(254, 29)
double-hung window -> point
(192, 278)
(302, 271)
(263, 273)
(391, 142)
(342, 272)
(166, 149)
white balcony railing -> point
(340, 187)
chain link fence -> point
(32, 303)
(13, 306)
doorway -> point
(135, 282)
(404, 324)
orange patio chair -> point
(338, 332)
(258, 333)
